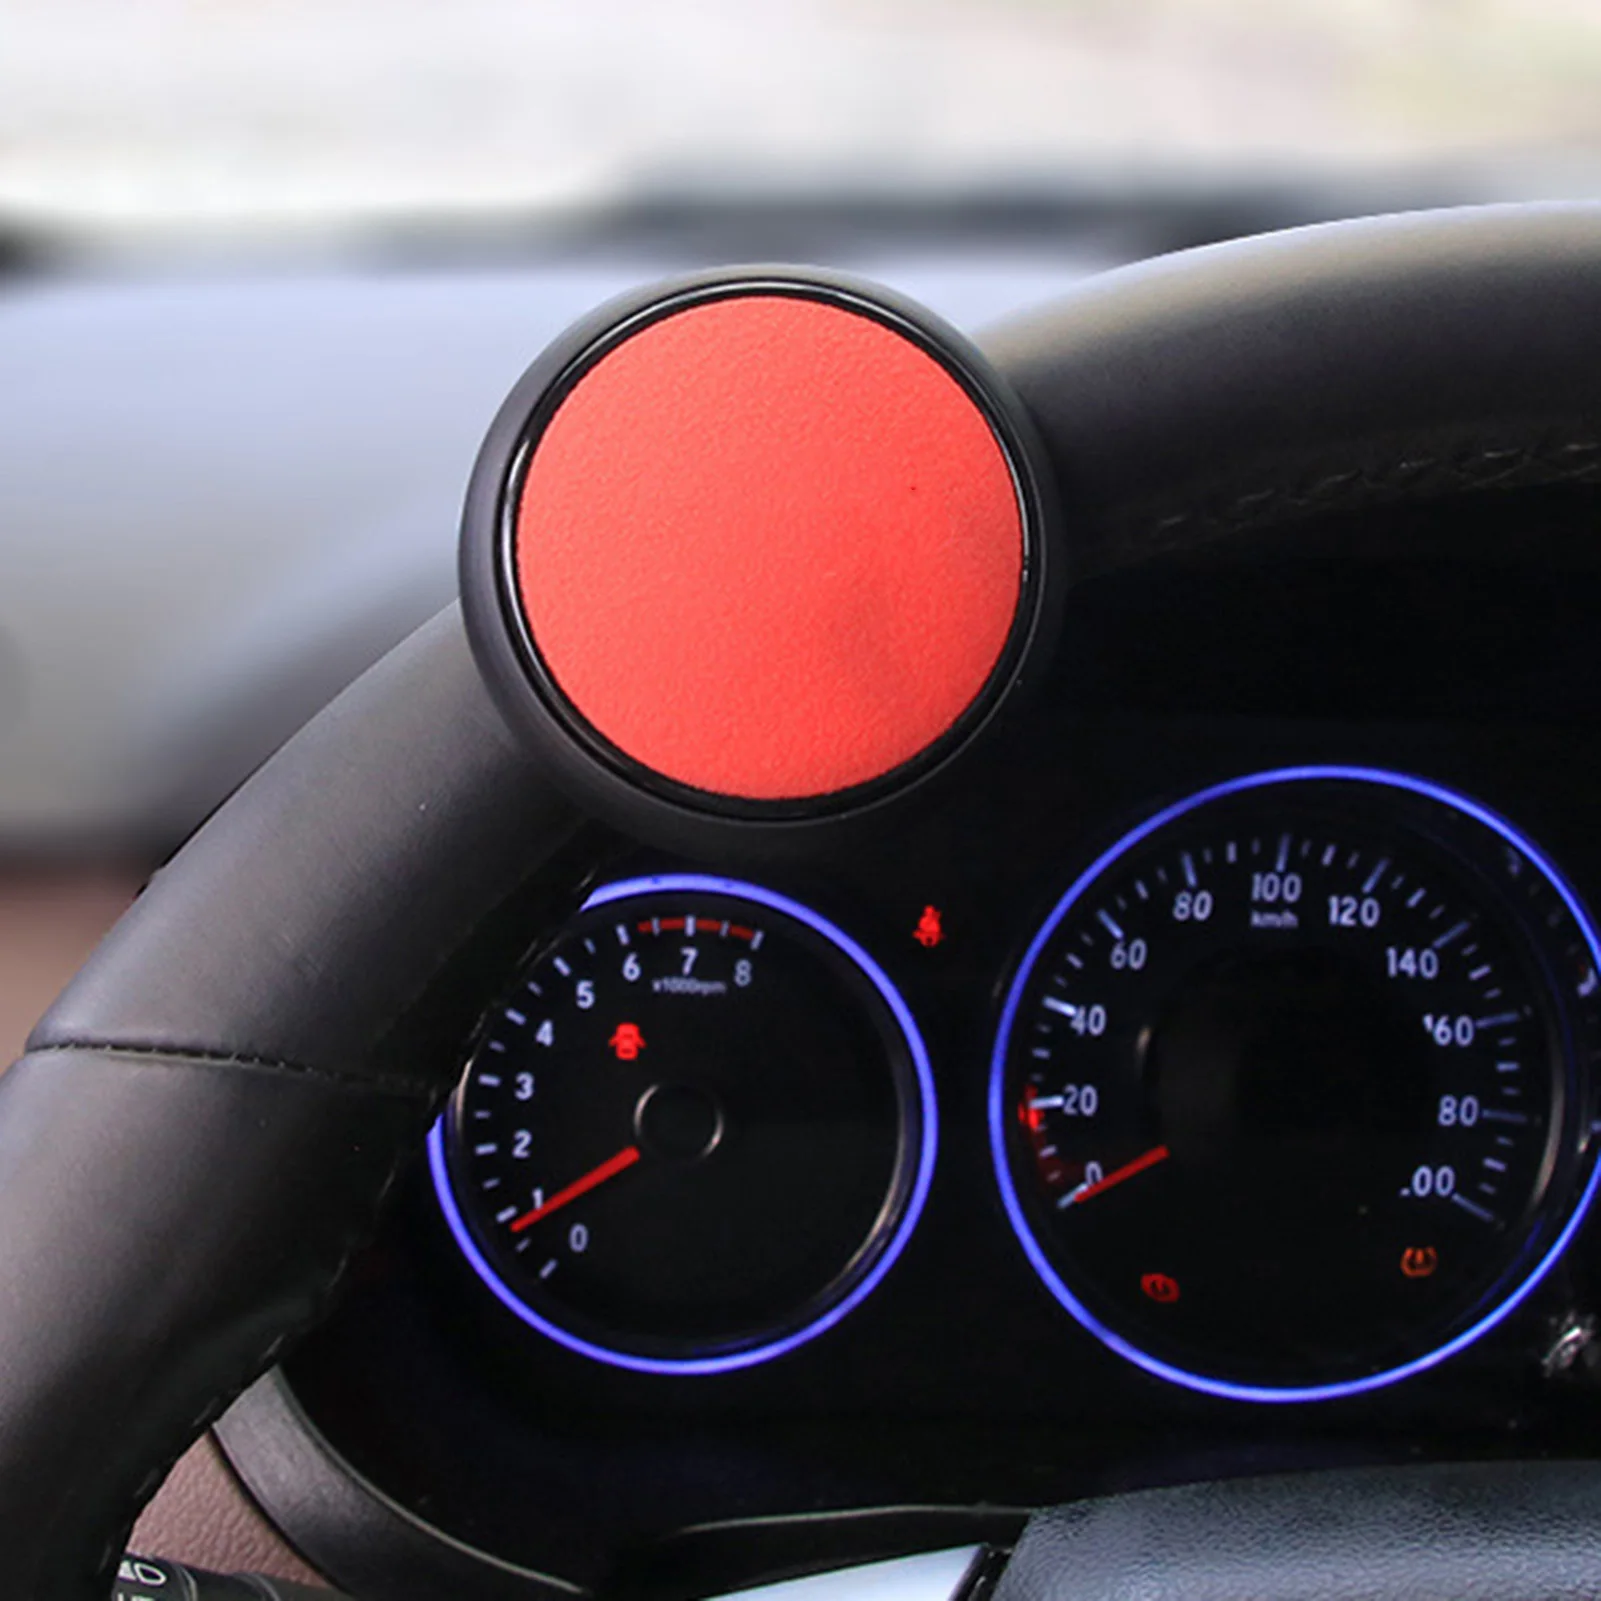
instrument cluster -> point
(1291, 1096)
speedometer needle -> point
(609, 1169)
(1116, 1176)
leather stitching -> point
(1421, 475)
(388, 1084)
(323, 1286)
(355, 1235)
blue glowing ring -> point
(730, 1361)
(1014, 1210)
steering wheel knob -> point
(766, 546)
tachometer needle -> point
(1116, 1176)
(609, 1169)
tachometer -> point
(695, 1133)
(1291, 1095)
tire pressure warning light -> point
(1419, 1261)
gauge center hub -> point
(1263, 1058)
(679, 1122)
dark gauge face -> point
(1290, 1097)
(696, 1131)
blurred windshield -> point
(143, 114)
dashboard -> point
(1203, 1084)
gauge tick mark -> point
(1472, 1208)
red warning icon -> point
(1160, 1288)
(627, 1042)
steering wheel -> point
(207, 1121)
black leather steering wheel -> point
(207, 1120)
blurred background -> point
(268, 266)
(267, 115)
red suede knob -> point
(768, 546)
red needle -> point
(1116, 1176)
(609, 1169)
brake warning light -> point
(1160, 1288)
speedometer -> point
(1291, 1094)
